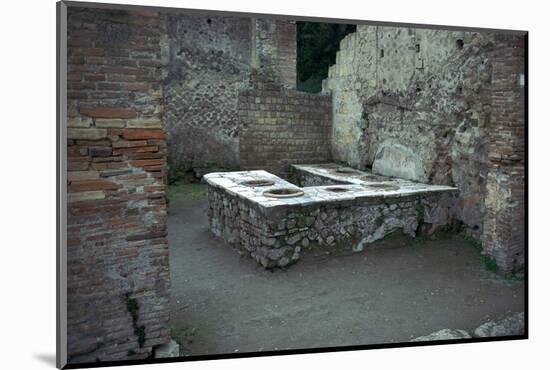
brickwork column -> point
(503, 228)
(118, 277)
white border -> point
(28, 182)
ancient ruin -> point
(414, 127)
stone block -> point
(86, 195)
(82, 175)
(79, 122)
(110, 123)
(512, 325)
(444, 334)
(168, 350)
(396, 160)
(108, 112)
(144, 123)
(86, 133)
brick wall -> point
(280, 127)
(118, 272)
(504, 229)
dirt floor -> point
(395, 290)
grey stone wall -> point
(207, 62)
(416, 103)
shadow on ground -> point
(391, 292)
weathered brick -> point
(129, 144)
(147, 162)
(144, 123)
(104, 112)
(132, 134)
(100, 151)
(110, 123)
(90, 185)
(143, 149)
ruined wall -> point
(504, 226)
(280, 127)
(274, 52)
(428, 105)
(208, 61)
(117, 271)
(416, 104)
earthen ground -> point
(395, 290)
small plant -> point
(183, 337)
(489, 263)
(133, 308)
(190, 191)
(420, 210)
(472, 241)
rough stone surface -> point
(207, 61)
(398, 161)
(444, 334)
(118, 279)
(168, 350)
(512, 325)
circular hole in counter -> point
(328, 166)
(388, 187)
(283, 193)
(337, 189)
(373, 178)
(258, 182)
(346, 171)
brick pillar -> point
(503, 228)
(118, 278)
(274, 51)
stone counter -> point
(274, 231)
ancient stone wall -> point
(428, 105)
(117, 255)
(416, 104)
(208, 61)
(274, 54)
(504, 226)
(280, 127)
